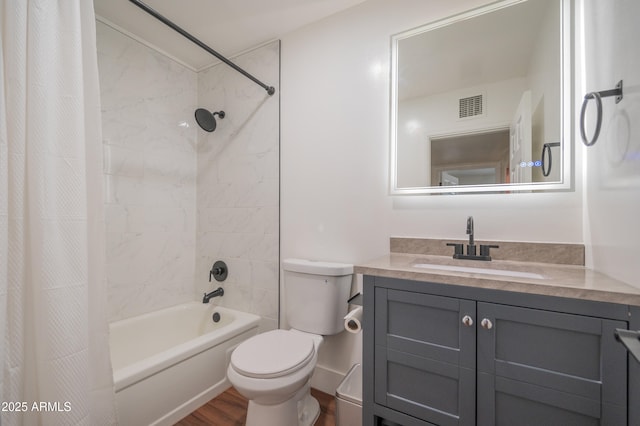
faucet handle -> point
(486, 248)
(458, 248)
(219, 271)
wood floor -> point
(230, 409)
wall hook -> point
(597, 96)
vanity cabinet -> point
(452, 355)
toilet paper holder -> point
(356, 299)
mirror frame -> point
(566, 97)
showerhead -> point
(206, 119)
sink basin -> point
(486, 271)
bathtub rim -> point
(134, 373)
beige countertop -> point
(570, 281)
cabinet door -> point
(541, 367)
(425, 356)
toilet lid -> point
(272, 354)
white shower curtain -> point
(53, 329)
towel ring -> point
(547, 148)
(617, 92)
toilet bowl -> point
(273, 370)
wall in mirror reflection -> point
(478, 99)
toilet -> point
(273, 370)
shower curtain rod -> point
(270, 89)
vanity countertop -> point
(569, 281)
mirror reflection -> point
(475, 99)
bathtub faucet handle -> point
(219, 271)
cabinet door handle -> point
(486, 323)
(467, 320)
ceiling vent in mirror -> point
(471, 106)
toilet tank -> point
(316, 295)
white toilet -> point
(273, 369)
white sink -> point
(487, 271)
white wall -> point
(612, 189)
(419, 119)
(237, 185)
(178, 198)
(150, 163)
(335, 149)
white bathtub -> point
(168, 363)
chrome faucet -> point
(219, 292)
(471, 247)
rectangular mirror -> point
(481, 101)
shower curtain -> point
(54, 354)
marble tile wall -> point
(238, 184)
(179, 198)
(150, 175)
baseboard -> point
(326, 380)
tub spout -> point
(215, 293)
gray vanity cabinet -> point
(441, 356)
(539, 367)
(420, 339)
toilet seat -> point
(273, 354)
